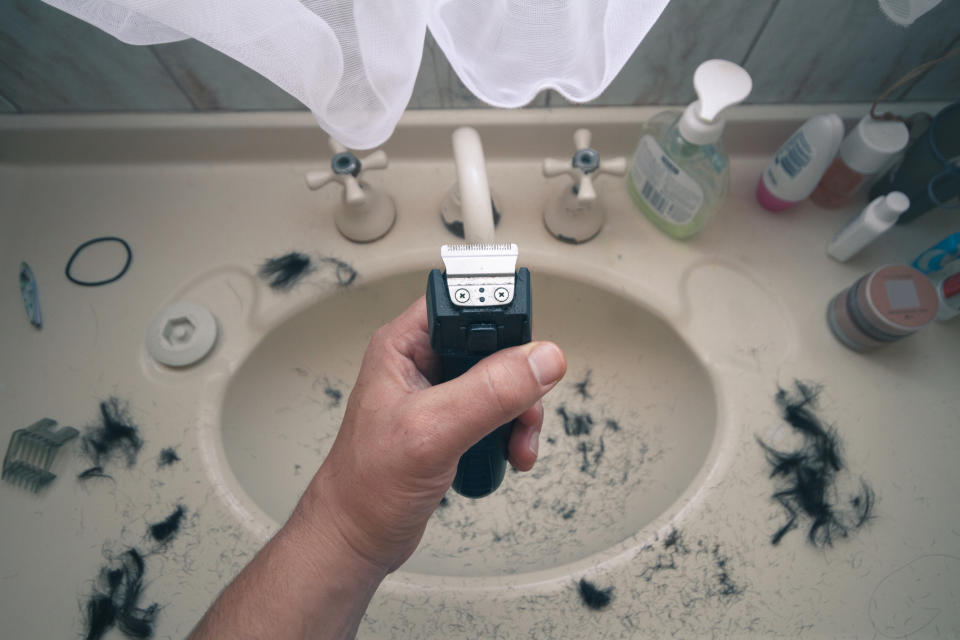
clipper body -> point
(467, 322)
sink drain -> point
(182, 334)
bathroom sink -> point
(624, 434)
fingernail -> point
(534, 443)
(546, 362)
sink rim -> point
(719, 455)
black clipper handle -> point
(462, 336)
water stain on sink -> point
(623, 439)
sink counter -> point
(727, 317)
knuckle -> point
(380, 336)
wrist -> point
(306, 577)
(316, 527)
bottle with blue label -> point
(680, 171)
(795, 169)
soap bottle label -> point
(666, 188)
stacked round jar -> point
(884, 306)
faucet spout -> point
(473, 186)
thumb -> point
(491, 393)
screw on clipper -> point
(474, 270)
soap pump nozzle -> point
(719, 84)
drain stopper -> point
(182, 334)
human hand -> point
(397, 449)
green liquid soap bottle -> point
(680, 169)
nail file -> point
(478, 305)
(31, 297)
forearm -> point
(393, 460)
(305, 583)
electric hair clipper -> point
(479, 305)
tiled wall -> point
(796, 51)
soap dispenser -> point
(680, 169)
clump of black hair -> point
(807, 476)
(115, 599)
(593, 597)
(167, 457)
(674, 539)
(284, 272)
(726, 587)
(583, 387)
(93, 472)
(334, 394)
(115, 434)
(345, 273)
(591, 454)
(164, 530)
(578, 424)
(562, 509)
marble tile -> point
(829, 51)
(213, 80)
(796, 50)
(51, 61)
(688, 32)
(6, 106)
(943, 81)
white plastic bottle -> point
(680, 169)
(797, 166)
(866, 150)
(875, 219)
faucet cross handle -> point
(366, 213)
(345, 168)
(584, 166)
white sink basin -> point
(645, 399)
(687, 344)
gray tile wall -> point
(796, 51)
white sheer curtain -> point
(354, 62)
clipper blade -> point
(480, 275)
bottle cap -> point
(872, 142)
(889, 207)
(719, 84)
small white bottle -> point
(875, 219)
(797, 166)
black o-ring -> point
(76, 252)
